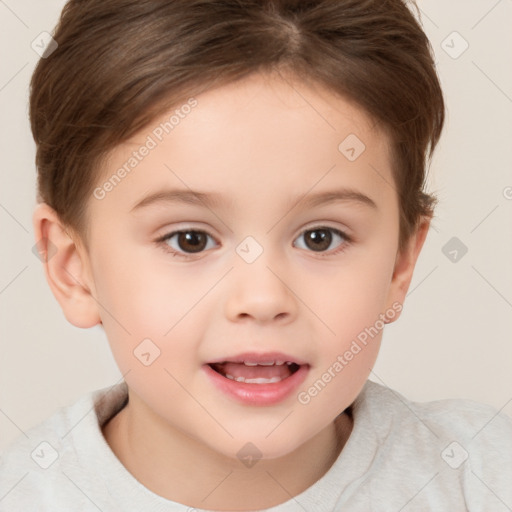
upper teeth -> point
(258, 380)
(266, 363)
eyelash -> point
(162, 241)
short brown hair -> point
(119, 62)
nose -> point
(259, 292)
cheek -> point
(352, 306)
(352, 296)
(142, 292)
(348, 353)
(141, 302)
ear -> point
(66, 266)
(404, 266)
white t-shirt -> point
(447, 455)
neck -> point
(183, 470)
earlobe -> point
(404, 266)
(66, 268)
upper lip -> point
(255, 357)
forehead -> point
(264, 133)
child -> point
(233, 189)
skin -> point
(262, 145)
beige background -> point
(454, 337)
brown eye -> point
(192, 241)
(188, 242)
(320, 239)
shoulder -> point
(467, 445)
(463, 418)
(47, 460)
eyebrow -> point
(213, 200)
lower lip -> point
(258, 394)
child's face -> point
(266, 152)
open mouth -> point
(256, 372)
(257, 379)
